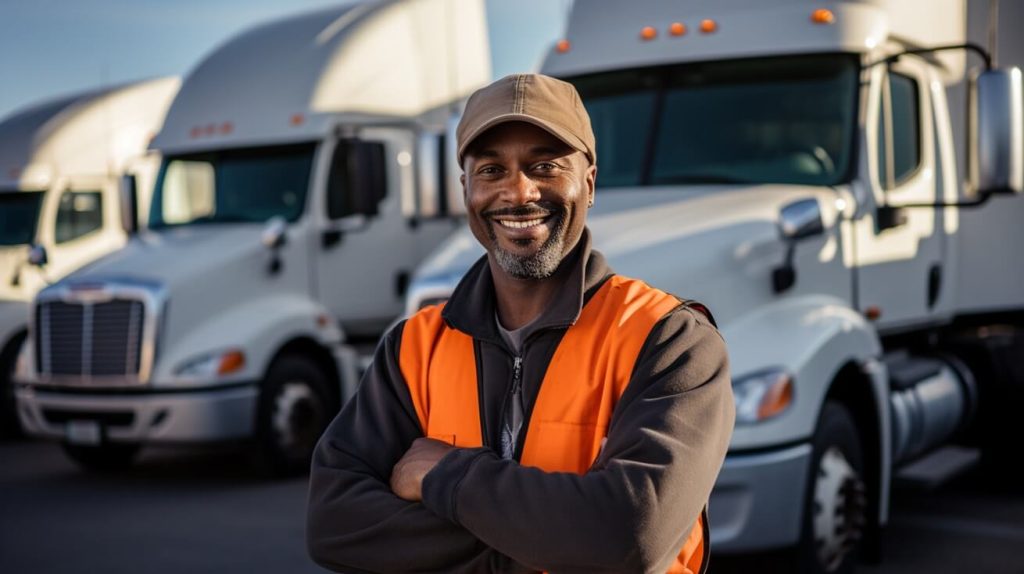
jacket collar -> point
(472, 306)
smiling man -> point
(552, 416)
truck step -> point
(938, 468)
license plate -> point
(84, 432)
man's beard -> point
(541, 264)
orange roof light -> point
(873, 312)
(708, 26)
(677, 29)
(226, 128)
(648, 33)
(297, 119)
(823, 16)
(195, 132)
(563, 46)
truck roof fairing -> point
(288, 80)
(746, 29)
(94, 132)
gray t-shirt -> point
(513, 416)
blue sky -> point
(50, 48)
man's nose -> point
(521, 189)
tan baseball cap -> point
(550, 104)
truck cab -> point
(804, 170)
(60, 209)
(303, 178)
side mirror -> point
(452, 169)
(275, 233)
(37, 255)
(357, 182)
(798, 220)
(129, 198)
(429, 199)
(996, 148)
(801, 219)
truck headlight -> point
(215, 364)
(762, 395)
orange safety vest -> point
(587, 375)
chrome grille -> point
(90, 339)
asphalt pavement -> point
(183, 511)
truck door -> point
(367, 247)
(81, 223)
(899, 252)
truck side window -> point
(903, 104)
(357, 182)
(79, 213)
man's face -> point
(527, 194)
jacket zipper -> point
(514, 395)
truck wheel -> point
(103, 458)
(293, 412)
(835, 504)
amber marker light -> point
(823, 16)
(873, 312)
(226, 128)
(776, 399)
(562, 46)
(648, 33)
(231, 362)
(708, 26)
(297, 119)
(677, 29)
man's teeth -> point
(521, 224)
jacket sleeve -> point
(354, 522)
(632, 511)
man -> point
(576, 419)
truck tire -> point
(103, 458)
(292, 414)
(10, 427)
(835, 504)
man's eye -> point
(488, 170)
(546, 166)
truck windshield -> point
(19, 214)
(232, 186)
(766, 120)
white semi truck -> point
(794, 165)
(61, 169)
(302, 181)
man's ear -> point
(591, 181)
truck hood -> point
(202, 272)
(717, 244)
(177, 256)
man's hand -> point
(421, 458)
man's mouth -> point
(520, 224)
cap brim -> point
(562, 134)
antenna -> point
(993, 28)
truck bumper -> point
(757, 503)
(158, 417)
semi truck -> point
(839, 181)
(62, 164)
(303, 178)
